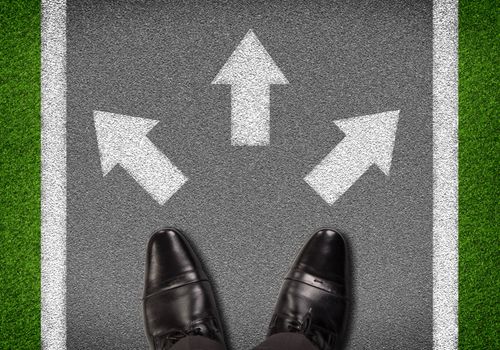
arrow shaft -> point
(153, 170)
(339, 170)
(250, 114)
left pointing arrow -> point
(122, 140)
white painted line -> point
(369, 139)
(445, 177)
(53, 192)
(250, 71)
(122, 140)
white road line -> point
(53, 195)
(445, 177)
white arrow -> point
(122, 140)
(368, 140)
(250, 71)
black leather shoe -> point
(314, 297)
(178, 299)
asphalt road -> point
(247, 209)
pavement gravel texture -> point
(247, 210)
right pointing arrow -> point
(250, 71)
(122, 140)
(368, 140)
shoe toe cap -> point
(324, 256)
(169, 258)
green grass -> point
(479, 314)
(19, 175)
(20, 182)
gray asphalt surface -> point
(247, 210)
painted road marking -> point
(53, 191)
(122, 140)
(445, 175)
(250, 71)
(368, 140)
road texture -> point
(247, 209)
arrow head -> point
(374, 134)
(117, 135)
(250, 64)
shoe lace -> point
(302, 326)
(319, 336)
(166, 341)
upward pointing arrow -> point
(368, 140)
(122, 140)
(250, 71)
